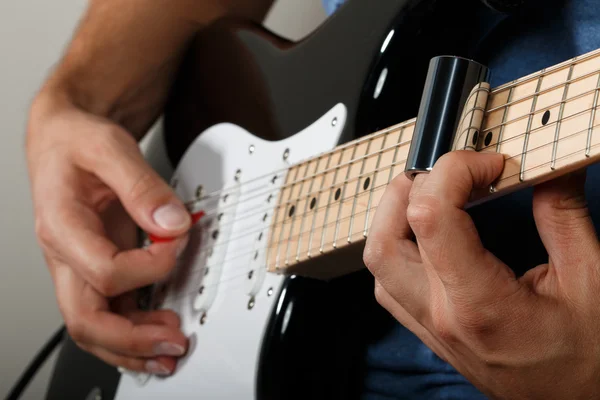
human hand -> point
(90, 186)
(533, 337)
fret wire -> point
(527, 132)
(487, 128)
(331, 193)
(318, 196)
(312, 182)
(559, 158)
(505, 178)
(560, 116)
(332, 168)
(471, 121)
(526, 115)
(287, 252)
(283, 219)
(504, 118)
(375, 179)
(592, 118)
(356, 193)
(402, 162)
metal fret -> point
(588, 144)
(356, 193)
(366, 227)
(293, 217)
(341, 198)
(528, 130)
(504, 118)
(318, 195)
(282, 221)
(560, 116)
(308, 196)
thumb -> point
(118, 162)
(563, 219)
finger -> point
(447, 237)
(76, 232)
(115, 158)
(392, 256)
(89, 322)
(161, 366)
(563, 219)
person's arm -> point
(91, 185)
(124, 54)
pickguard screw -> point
(334, 121)
(238, 174)
(251, 303)
(286, 154)
(270, 292)
(203, 319)
(199, 191)
(250, 274)
(251, 149)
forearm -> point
(124, 54)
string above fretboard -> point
(545, 124)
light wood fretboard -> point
(545, 124)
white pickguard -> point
(223, 358)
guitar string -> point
(498, 89)
(254, 212)
(392, 131)
(412, 121)
(548, 71)
(337, 222)
(359, 232)
(357, 179)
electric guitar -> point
(283, 150)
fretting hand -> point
(533, 337)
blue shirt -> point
(399, 365)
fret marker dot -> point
(292, 209)
(256, 255)
(260, 237)
(215, 234)
(313, 203)
(367, 183)
(265, 217)
(338, 193)
(488, 138)
(546, 117)
(475, 138)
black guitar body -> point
(240, 73)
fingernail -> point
(168, 349)
(182, 245)
(171, 217)
(157, 368)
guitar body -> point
(245, 106)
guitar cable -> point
(35, 364)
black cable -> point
(36, 363)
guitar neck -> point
(545, 124)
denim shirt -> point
(399, 365)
